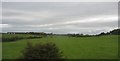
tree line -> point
(113, 32)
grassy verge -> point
(104, 47)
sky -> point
(60, 0)
(59, 17)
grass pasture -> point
(101, 47)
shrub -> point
(41, 51)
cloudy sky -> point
(59, 17)
(60, 0)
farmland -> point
(0, 50)
(99, 47)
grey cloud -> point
(66, 9)
(22, 14)
(5, 13)
(60, 0)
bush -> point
(42, 51)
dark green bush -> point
(41, 51)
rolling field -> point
(102, 47)
(0, 46)
(0, 50)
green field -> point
(100, 47)
(0, 46)
(0, 50)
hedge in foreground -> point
(42, 51)
(14, 37)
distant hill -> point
(113, 32)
